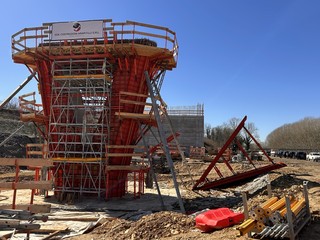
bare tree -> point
(247, 140)
(304, 134)
(220, 134)
(13, 104)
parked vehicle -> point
(301, 155)
(291, 154)
(313, 155)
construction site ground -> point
(143, 218)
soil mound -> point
(154, 226)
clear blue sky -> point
(259, 58)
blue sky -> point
(258, 58)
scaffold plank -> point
(33, 208)
(124, 154)
(30, 162)
(134, 115)
(126, 146)
(126, 167)
(85, 76)
(135, 102)
(46, 185)
(78, 160)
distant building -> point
(188, 121)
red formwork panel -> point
(126, 131)
(217, 219)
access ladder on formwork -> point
(153, 90)
(204, 184)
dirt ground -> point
(172, 225)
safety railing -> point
(40, 38)
(29, 109)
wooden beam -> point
(50, 229)
(36, 145)
(92, 160)
(135, 102)
(51, 235)
(33, 208)
(125, 146)
(124, 154)
(83, 76)
(19, 226)
(133, 94)
(126, 167)
(46, 185)
(28, 162)
(134, 115)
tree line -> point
(217, 136)
(304, 135)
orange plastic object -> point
(217, 219)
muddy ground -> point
(174, 226)
(170, 224)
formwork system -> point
(92, 82)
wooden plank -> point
(33, 208)
(133, 94)
(35, 152)
(83, 76)
(125, 167)
(20, 226)
(50, 229)
(124, 154)
(134, 115)
(36, 145)
(97, 160)
(80, 219)
(47, 185)
(126, 146)
(51, 235)
(135, 102)
(29, 162)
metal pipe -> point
(7, 100)
(266, 233)
(164, 142)
(11, 135)
(277, 230)
(282, 231)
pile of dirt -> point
(154, 226)
(10, 122)
(15, 146)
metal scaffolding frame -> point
(79, 123)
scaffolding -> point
(94, 95)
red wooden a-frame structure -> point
(204, 184)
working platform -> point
(113, 40)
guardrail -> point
(113, 33)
